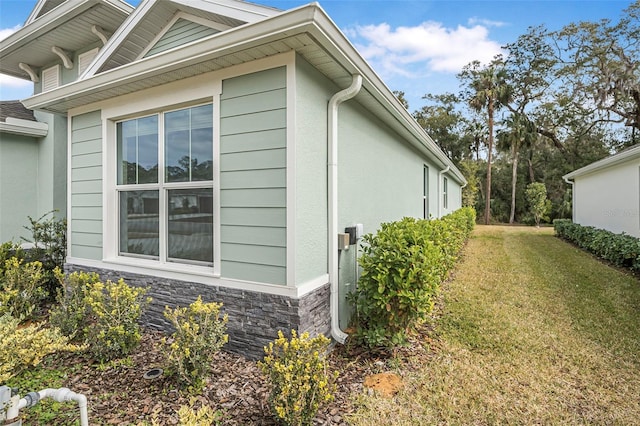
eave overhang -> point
(622, 157)
(67, 27)
(307, 30)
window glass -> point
(138, 151)
(139, 223)
(189, 144)
(191, 224)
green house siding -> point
(18, 185)
(182, 32)
(253, 177)
(86, 186)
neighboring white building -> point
(606, 194)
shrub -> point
(199, 334)
(620, 249)
(297, 371)
(539, 204)
(49, 239)
(115, 308)
(21, 288)
(403, 265)
(70, 313)
(26, 346)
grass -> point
(531, 330)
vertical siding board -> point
(253, 177)
(86, 186)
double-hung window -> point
(165, 186)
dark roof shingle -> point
(15, 109)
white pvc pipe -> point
(62, 395)
(332, 175)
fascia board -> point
(243, 11)
(24, 127)
(605, 163)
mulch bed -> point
(119, 395)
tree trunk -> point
(514, 181)
(487, 207)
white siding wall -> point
(608, 199)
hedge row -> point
(620, 249)
(403, 265)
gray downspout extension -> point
(332, 176)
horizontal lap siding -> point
(86, 186)
(181, 33)
(253, 177)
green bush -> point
(49, 239)
(199, 334)
(620, 249)
(22, 347)
(114, 310)
(70, 312)
(403, 265)
(297, 372)
(21, 288)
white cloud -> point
(485, 22)
(428, 47)
(6, 32)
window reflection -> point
(191, 224)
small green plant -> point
(115, 308)
(49, 239)
(21, 288)
(70, 312)
(539, 204)
(300, 382)
(22, 347)
(199, 334)
(203, 416)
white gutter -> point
(18, 126)
(332, 175)
(440, 173)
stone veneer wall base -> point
(254, 317)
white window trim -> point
(182, 15)
(54, 69)
(445, 195)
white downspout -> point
(332, 176)
(440, 173)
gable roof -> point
(307, 30)
(628, 154)
(152, 16)
(66, 25)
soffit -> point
(70, 32)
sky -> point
(415, 46)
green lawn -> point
(530, 331)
